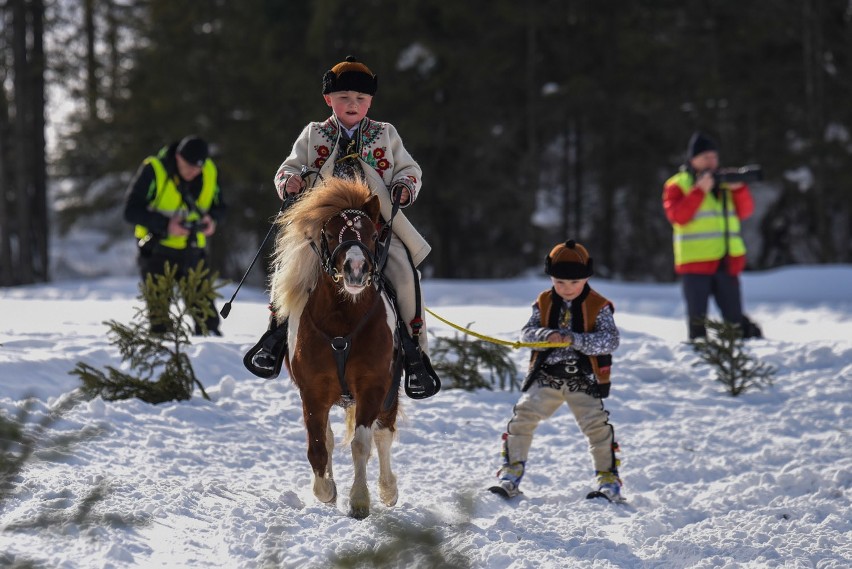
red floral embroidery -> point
(379, 153)
(382, 165)
(323, 151)
(319, 162)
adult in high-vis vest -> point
(578, 374)
(176, 205)
(709, 251)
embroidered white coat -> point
(383, 158)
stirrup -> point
(273, 341)
(421, 381)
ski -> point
(505, 493)
(598, 494)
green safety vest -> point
(703, 238)
(164, 197)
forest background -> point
(532, 122)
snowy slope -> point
(762, 480)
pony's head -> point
(348, 246)
(337, 218)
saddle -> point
(266, 357)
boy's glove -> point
(603, 390)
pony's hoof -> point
(388, 496)
(325, 491)
(390, 500)
(359, 512)
(331, 501)
(388, 490)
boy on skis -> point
(570, 312)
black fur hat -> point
(350, 75)
(569, 261)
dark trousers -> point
(154, 263)
(725, 290)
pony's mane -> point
(296, 264)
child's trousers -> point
(539, 403)
(400, 271)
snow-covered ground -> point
(761, 480)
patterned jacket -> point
(384, 161)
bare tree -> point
(24, 248)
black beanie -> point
(350, 75)
(698, 143)
(569, 261)
(193, 149)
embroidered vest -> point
(584, 312)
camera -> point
(194, 226)
(742, 174)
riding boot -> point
(421, 381)
(265, 358)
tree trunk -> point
(22, 163)
(112, 24)
(812, 51)
(578, 176)
(531, 173)
(5, 217)
(91, 60)
(28, 239)
(41, 224)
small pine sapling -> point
(161, 352)
(723, 348)
(461, 360)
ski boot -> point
(609, 487)
(510, 478)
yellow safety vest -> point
(166, 199)
(703, 238)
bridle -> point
(340, 345)
(327, 258)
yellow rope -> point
(514, 345)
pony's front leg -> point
(320, 447)
(359, 496)
(388, 491)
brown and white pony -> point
(341, 331)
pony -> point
(343, 349)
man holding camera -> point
(705, 209)
(175, 203)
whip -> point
(289, 199)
